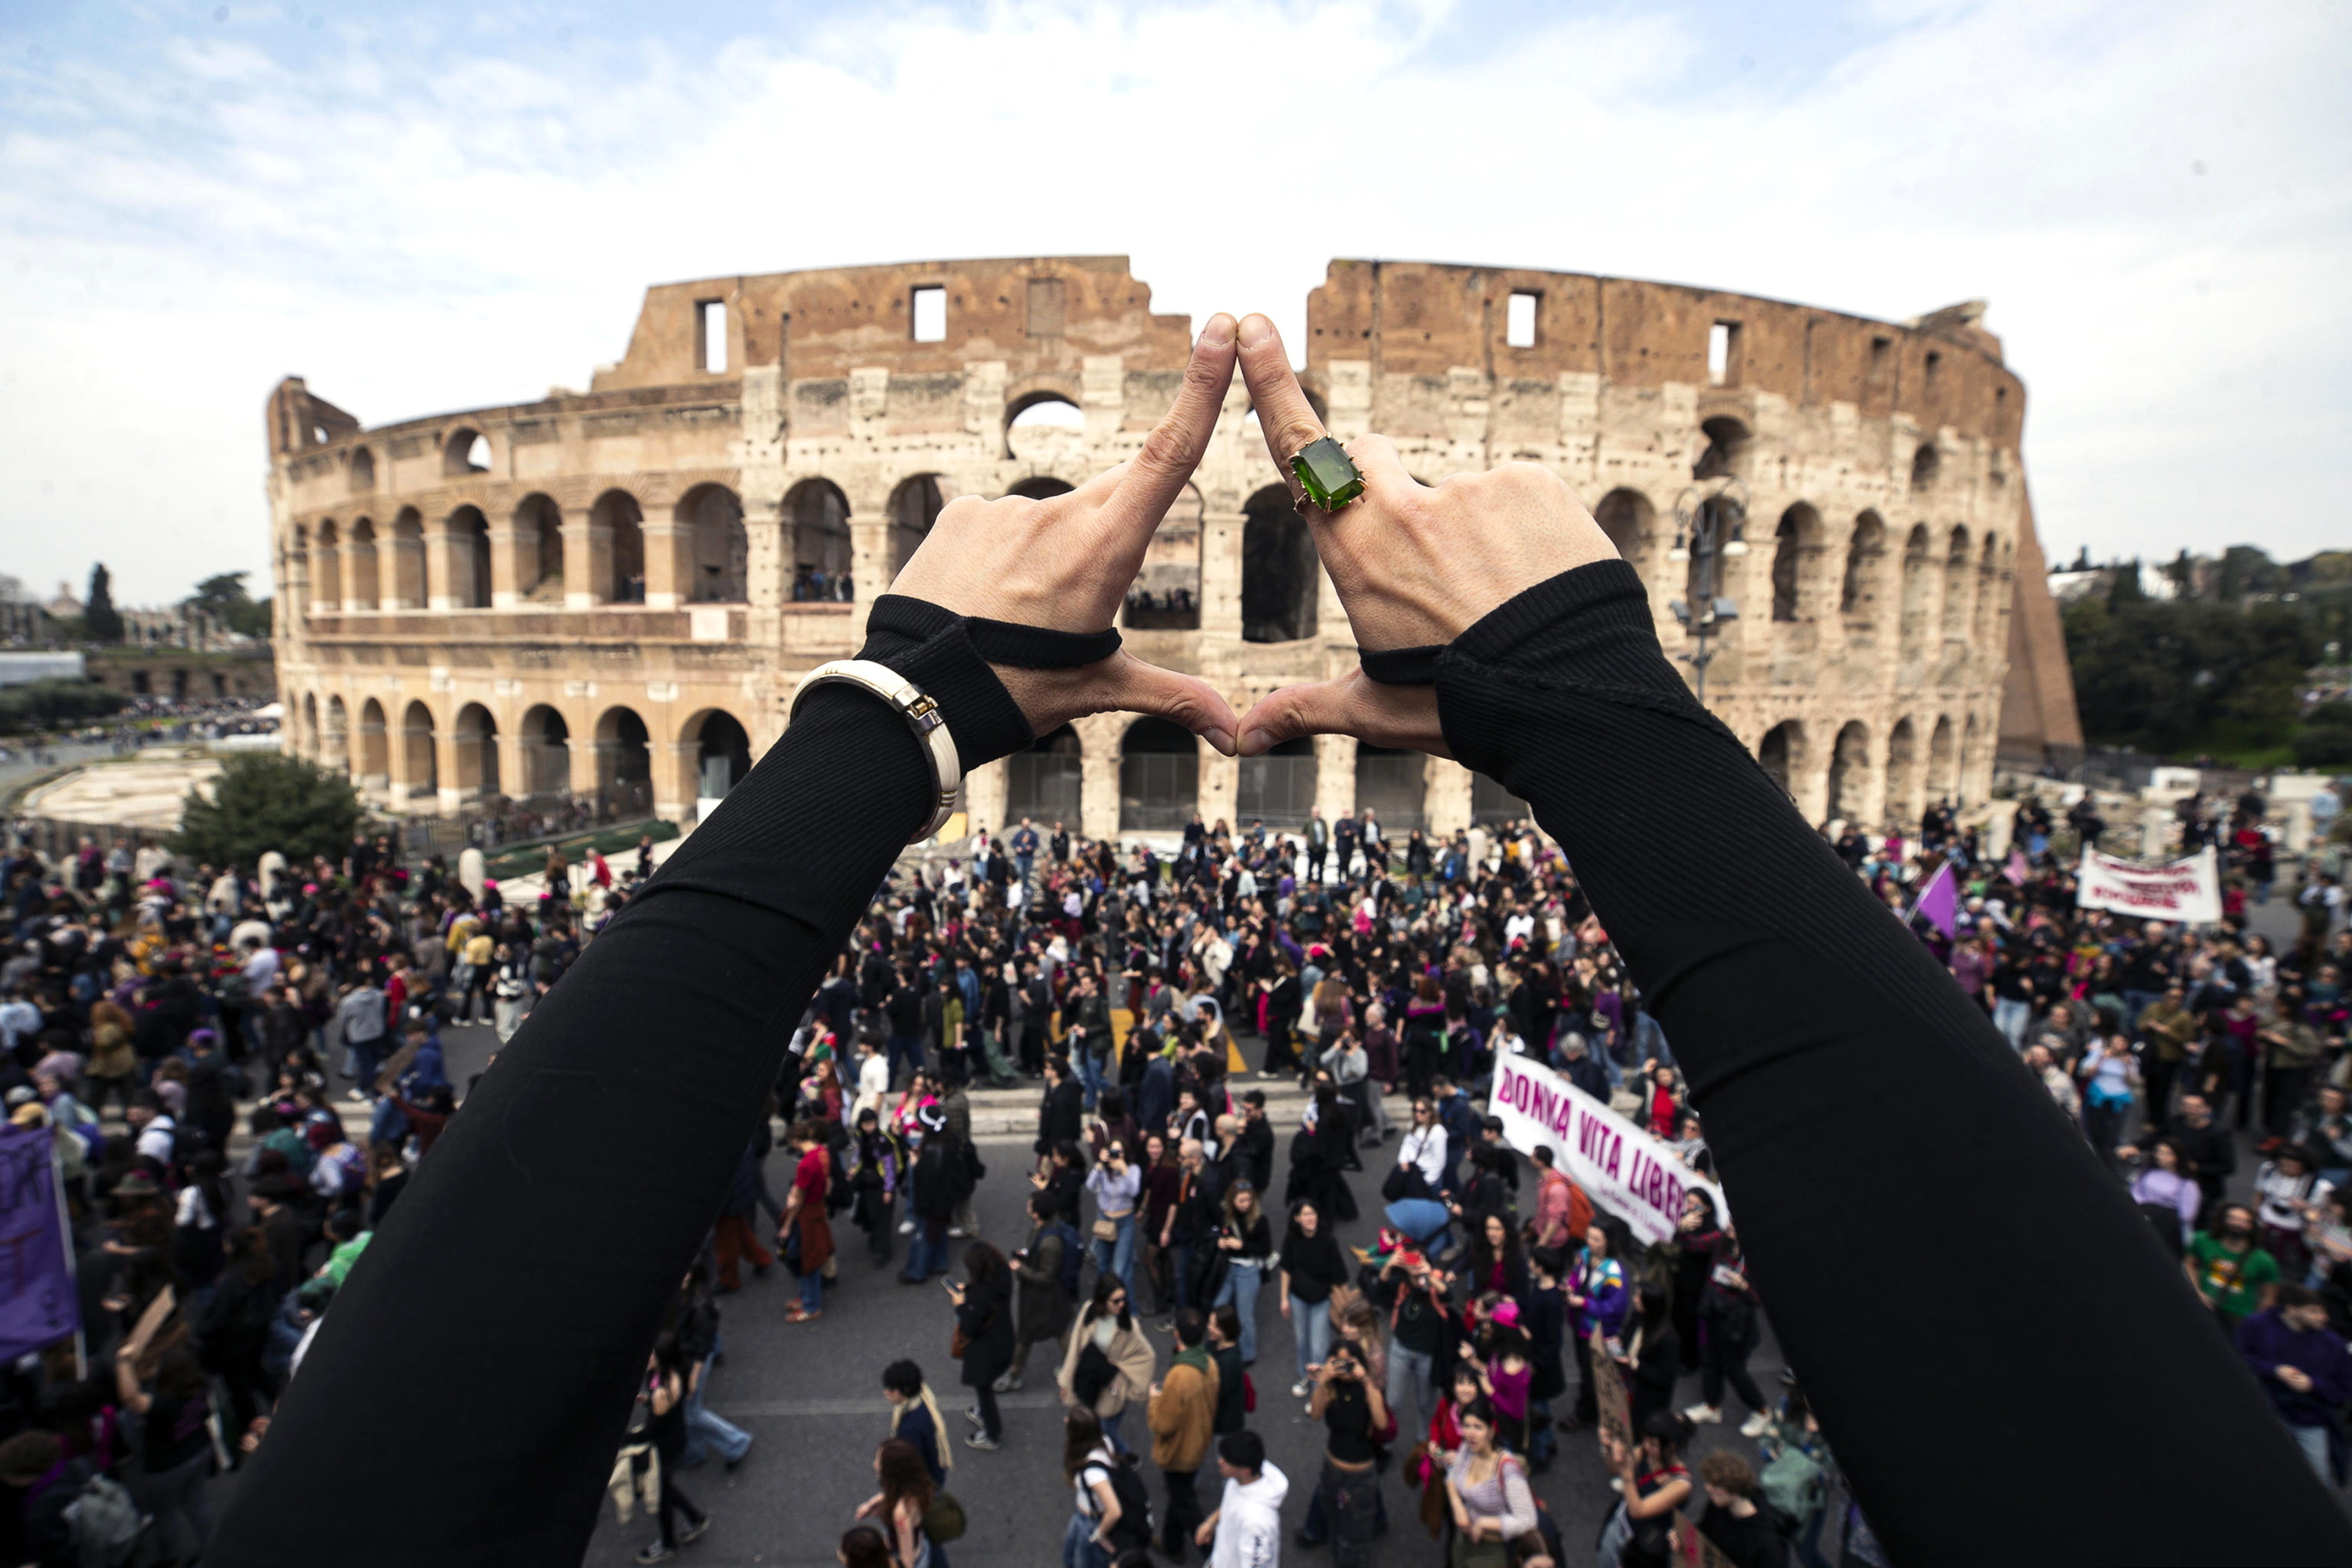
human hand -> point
(1206, 1534)
(1415, 564)
(2295, 1377)
(1065, 562)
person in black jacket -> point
(932, 1199)
(1062, 1114)
(983, 1314)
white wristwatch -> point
(919, 710)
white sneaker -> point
(1756, 1425)
(1701, 1414)
(957, 1231)
(906, 1227)
(1301, 1389)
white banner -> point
(2186, 891)
(1620, 1167)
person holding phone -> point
(1355, 1414)
(1116, 1184)
(983, 1316)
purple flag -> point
(39, 1303)
(1939, 901)
(2019, 868)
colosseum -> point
(613, 593)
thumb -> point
(1354, 705)
(1132, 686)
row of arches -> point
(1857, 777)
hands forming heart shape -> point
(1415, 564)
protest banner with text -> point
(1620, 1167)
(2186, 891)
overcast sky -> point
(429, 207)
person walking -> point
(1727, 1313)
(1246, 1529)
(1182, 1416)
(1092, 1468)
(1245, 1243)
(1346, 1503)
(664, 1396)
(1311, 1267)
(1487, 1489)
(983, 1313)
(1047, 1270)
(2302, 1366)
(932, 1199)
(1116, 1184)
(915, 1417)
(805, 1233)
(1109, 1363)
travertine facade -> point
(617, 590)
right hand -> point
(1415, 564)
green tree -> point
(2327, 738)
(263, 801)
(100, 621)
(49, 704)
(223, 596)
(2182, 678)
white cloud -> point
(420, 215)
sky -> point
(427, 207)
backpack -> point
(1794, 1486)
(1074, 1255)
(943, 1522)
(1134, 1526)
(105, 1524)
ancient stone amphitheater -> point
(613, 593)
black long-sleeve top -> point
(467, 1391)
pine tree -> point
(101, 622)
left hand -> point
(1066, 563)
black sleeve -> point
(1968, 1257)
(494, 1330)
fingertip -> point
(1218, 332)
(1256, 742)
(1221, 738)
(1254, 330)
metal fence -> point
(1045, 786)
(1158, 791)
(1391, 784)
(1491, 805)
(1276, 790)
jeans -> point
(910, 1046)
(2133, 1002)
(1078, 1548)
(1650, 1041)
(926, 1253)
(2011, 1016)
(2312, 1441)
(705, 1430)
(1409, 1369)
(1027, 864)
(1241, 1284)
(1118, 1257)
(1089, 1065)
(1613, 1537)
(1310, 1326)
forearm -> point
(1800, 1011)
(528, 1263)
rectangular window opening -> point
(929, 308)
(711, 335)
(1044, 307)
(1934, 361)
(1723, 352)
(1880, 348)
(1520, 323)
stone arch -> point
(403, 580)
(1956, 587)
(361, 589)
(1394, 782)
(1988, 601)
(1629, 519)
(1728, 442)
(1903, 780)
(363, 471)
(1279, 570)
(538, 549)
(1796, 543)
(546, 752)
(821, 548)
(1972, 757)
(1865, 554)
(715, 547)
(1159, 776)
(618, 517)
(1047, 782)
(468, 559)
(371, 757)
(1941, 781)
(327, 570)
(1925, 464)
(625, 762)
(1849, 780)
(722, 752)
(915, 506)
(1782, 753)
(306, 743)
(419, 766)
(336, 747)
(477, 752)
(1039, 425)
(1278, 786)
(1166, 594)
(1918, 586)
(465, 450)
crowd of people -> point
(242, 1067)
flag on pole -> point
(1939, 901)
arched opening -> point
(539, 543)
(327, 571)
(1941, 781)
(617, 514)
(1782, 752)
(335, 753)
(1795, 540)
(1278, 787)
(546, 753)
(467, 452)
(360, 584)
(307, 742)
(1040, 427)
(1988, 599)
(1042, 487)
(1956, 588)
(1971, 753)
(469, 560)
(1723, 519)
(374, 763)
(1625, 516)
(476, 735)
(1391, 781)
(1849, 772)
(1159, 776)
(722, 755)
(820, 541)
(1858, 593)
(363, 471)
(405, 582)
(417, 760)
(624, 762)
(1903, 773)
(914, 507)
(1277, 570)
(1926, 463)
(1167, 592)
(1045, 782)
(719, 550)
(1917, 583)
(1725, 452)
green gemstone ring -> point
(1328, 474)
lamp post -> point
(1710, 525)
